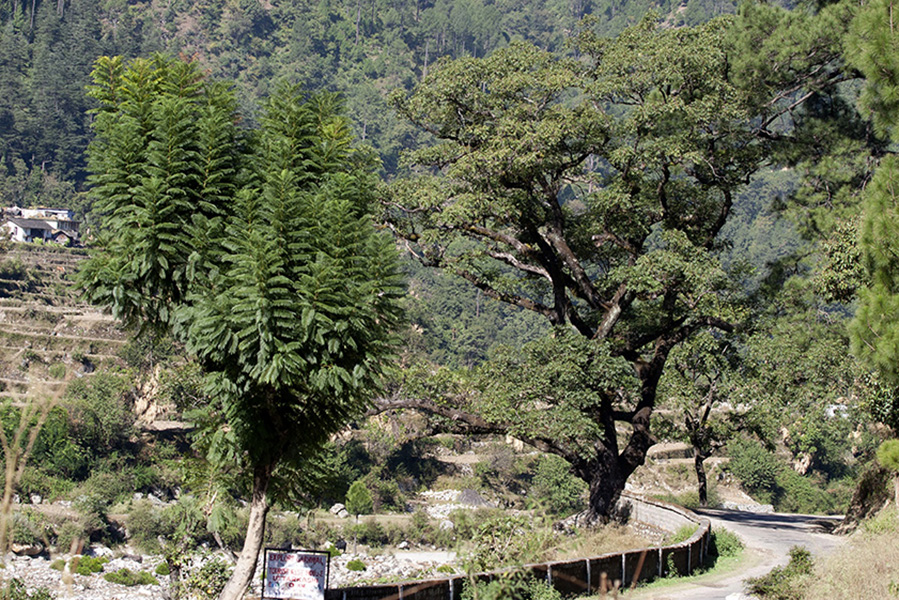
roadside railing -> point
(595, 574)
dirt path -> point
(768, 538)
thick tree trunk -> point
(698, 464)
(246, 562)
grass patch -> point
(725, 555)
(596, 541)
(868, 567)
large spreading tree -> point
(255, 247)
(592, 191)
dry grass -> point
(867, 568)
(611, 538)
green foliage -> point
(725, 543)
(683, 533)
(755, 467)
(358, 499)
(15, 589)
(503, 540)
(888, 455)
(88, 565)
(509, 586)
(58, 564)
(355, 565)
(100, 415)
(785, 583)
(556, 488)
(129, 578)
(163, 569)
(884, 523)
(207, 581)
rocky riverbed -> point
(36, 572)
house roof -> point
(30, 223)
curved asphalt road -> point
(768, 538)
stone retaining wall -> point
(581, 576)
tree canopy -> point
(591, 192)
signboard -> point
(295, 574)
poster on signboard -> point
(295, 574)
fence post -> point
(588, 575)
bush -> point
(785, 583)
(756, 468)
(684, 533)
(285, 530)
(554, 487)
(145, 526)
(16, 590)
(88, 565)
(512, 586)
(207, 582)
(129, 578)
(163, 569)
(725, 544)
(506, 540)
(368, 532)
(355, 565)
(358, 499)
(99, 411)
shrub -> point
(755, 467)
(560, 492)
(369, 532)
(129, 578)
(785, 583)
(512, 586)
(15, 589)
(87, 565)
(208, 581)
(58, 565)
(725, 544)
(57, 371)
(358, 499)
(146, 525)
(285, 530)
(355, 565)
(683, 534)
(506, 540)
(163, 569)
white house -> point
(46, 224)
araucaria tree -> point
(254, 247)
(590, 190)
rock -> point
(26, 549)
(137, 496)
(446, 525)
(341, 545)
(343, 514)
(472, 498)
(155, 500)
(403, 545)
(97, 551)
(336, 508)
(36, 499)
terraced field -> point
(48, 335)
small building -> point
(55, 225)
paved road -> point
(768, 538)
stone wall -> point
(581, 576)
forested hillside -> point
(362, 49)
